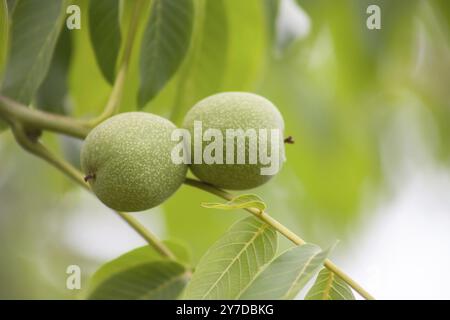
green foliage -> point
(105, 34)
(329, 286)
(233, 261)
(141, 274)
(242, 201)
(164, 45)
(53, 91)
(160, 280)
(292, 270)
(227, 52)
(4, 34)
(203, 72)
(34, 31)
(336, 87)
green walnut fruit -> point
(127, 161)
(236, 110)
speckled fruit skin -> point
(234, 110)
(128, 157)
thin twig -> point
(42, 120)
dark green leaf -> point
(228, 52)
(52, 93)
(34, 31)
(204, 70)
(329, 286)
(105, 35)
(233, 261)
(142, 274)
(287, 274)
(164, 44)
(158, 280)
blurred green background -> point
(369, 111)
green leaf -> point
(135, 257)
(228, 52)
(329, 286)
(51, 96)
(287, 274)
(4, 32)
(164, 44)
(203, 72)
(34, 30)
(142, 274)
(233, 261)
(239, 202)
(105, 35)
(159, 280)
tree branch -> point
(14, 111)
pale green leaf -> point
(105, 35)
(329, 286)
(34, 31)
(287, 274)
(239, 202)
(142, 274)
(233, 261)
(164, 44)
